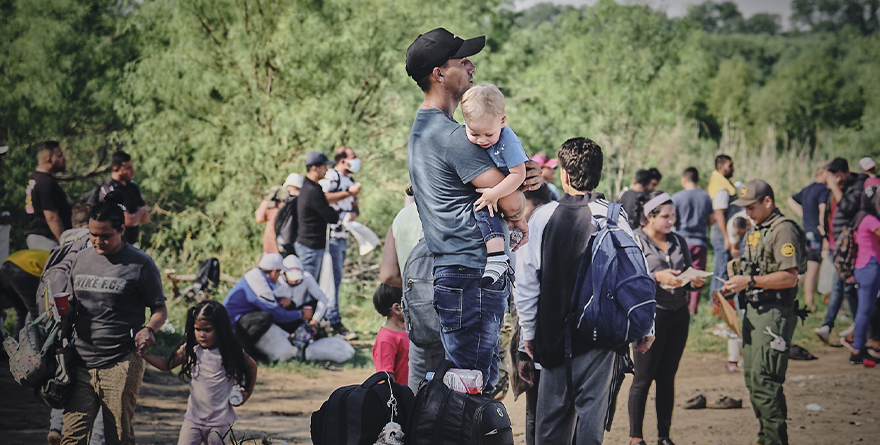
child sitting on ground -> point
(483, 109)
(213, 362)
(391, 351)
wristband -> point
(522, 356)
(151, 330)
(752, 283)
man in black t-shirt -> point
(120, 181)
(811, 204)
(45, 201)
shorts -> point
(814, 247)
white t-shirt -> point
(336, 182)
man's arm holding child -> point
(507, 186)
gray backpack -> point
(422, 321)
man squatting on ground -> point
(446, 169)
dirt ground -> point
(283, 402)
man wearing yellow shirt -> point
(19, 279)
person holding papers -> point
(668, 256)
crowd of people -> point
(487, 213)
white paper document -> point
(689, 275)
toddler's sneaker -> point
(54, 437)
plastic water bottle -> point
(468, 381)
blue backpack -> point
(613, 300)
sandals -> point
(698, 402)
(726, 403)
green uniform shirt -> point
(774, 245)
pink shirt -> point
(208, 403)
(391, 353)
(867, 240)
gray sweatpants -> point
(558, 416)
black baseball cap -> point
(435, 47)
(754, 190)
(317, 158)
(838, 165)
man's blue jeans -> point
(312, 259)
(840, 290)
(722, 257)
(470, 319)
(338, 248)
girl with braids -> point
(668, 256)
(212, 361)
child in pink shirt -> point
(391, 351)
(867, 272)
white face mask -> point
(354, 165)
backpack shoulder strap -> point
(613, 213)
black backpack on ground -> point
(442, 416)
(287, 226)
(356, 414)
(207, 279)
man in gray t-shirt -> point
(445, 170)
(112, 293)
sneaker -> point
(847, 331)
(54, 437)
(665, 441)
(824, 333)
(341, 331)
(730, 367)
(862, 358)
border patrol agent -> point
(766, 279)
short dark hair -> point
(721, 160)
(740, 223)
(385, 297)
(340, 153)
(691, 174)
(582, 159)
(425, 82)
(80, 215)
(48, 146)
(111, 211)
(540, 196)
(838, 165)
(118, 158)
(643, 176)
(655, 174)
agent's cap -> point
(838, 165)
(754, 190)
(435, 47)
(545, 161)
(272, 261)
(294, 179)
(317, 158)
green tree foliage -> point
(834, 15)
(218, 100)
(230, 95)
(60, 66)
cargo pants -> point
(765, 366)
